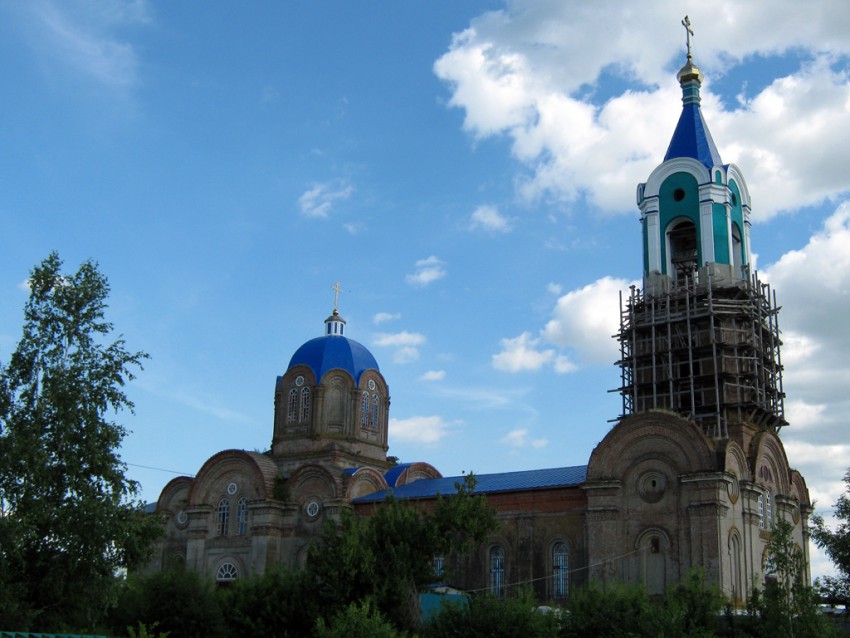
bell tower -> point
(701, 338)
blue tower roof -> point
(691, 137)
(329, 352)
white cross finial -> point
(688, 33)
(337, 289)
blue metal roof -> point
(329, 352)
(392, 474)
(693, 139)
(487, 483)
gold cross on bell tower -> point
(337, 288)
(688, 33)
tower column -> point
(706, 228)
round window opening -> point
(231, 489)
(312, 509)
(651, 486)
(679, 194)
(182, 518)
(299, 380)
(371, 384)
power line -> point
(161, 469)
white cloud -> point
(318, 200)
(585, 319)
(555, 289)
(489, 218)
(428, 270)
(433, 375)
(812, 285)
(404, 342)
(383, 317)
(406, 354)
(519, 438)
(395, 339)
(563, 364)
(532, 72)
(83, 37)
(353, 229)
(521, 353)
(428, 430)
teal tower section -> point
(702, 336)
(694, 208)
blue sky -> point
(467, 171)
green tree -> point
(358, 620)
(278, 602)
(489, 617)
(788, 606)
(68, 521)
(176, 601)
(388, 557)
(836, 544)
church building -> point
(692, 474)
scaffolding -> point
(708, 350)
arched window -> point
(768, 509)
(373, 421)
(242, 516)
(682, 250)
(305, 405)
(223, 517)
(497, 571)
(761, 511)
(560, 570)
(735, 556)
(292, 408)
(227, 573)
(439, 566)
(364, 410)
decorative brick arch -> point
(256, 474)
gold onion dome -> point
(689, 72)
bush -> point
(177, 601)
(490, 617)
(276, 603)
(358, 620)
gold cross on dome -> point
(337, 289)
(688, 33)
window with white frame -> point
(223, 517)
(227, 573)
(761, 511)
(305, 405)
(373, 421)
(768, 509)
(439, 566)
(242, 516)
(560, 570)
(497, 571)
(292, 407)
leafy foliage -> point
(836, 543)
(358, 620)
(490, 617)
(276, 603)
(387, 557)
(68, 521)
(788, 607)
(177, 601)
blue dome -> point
(329, 352)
